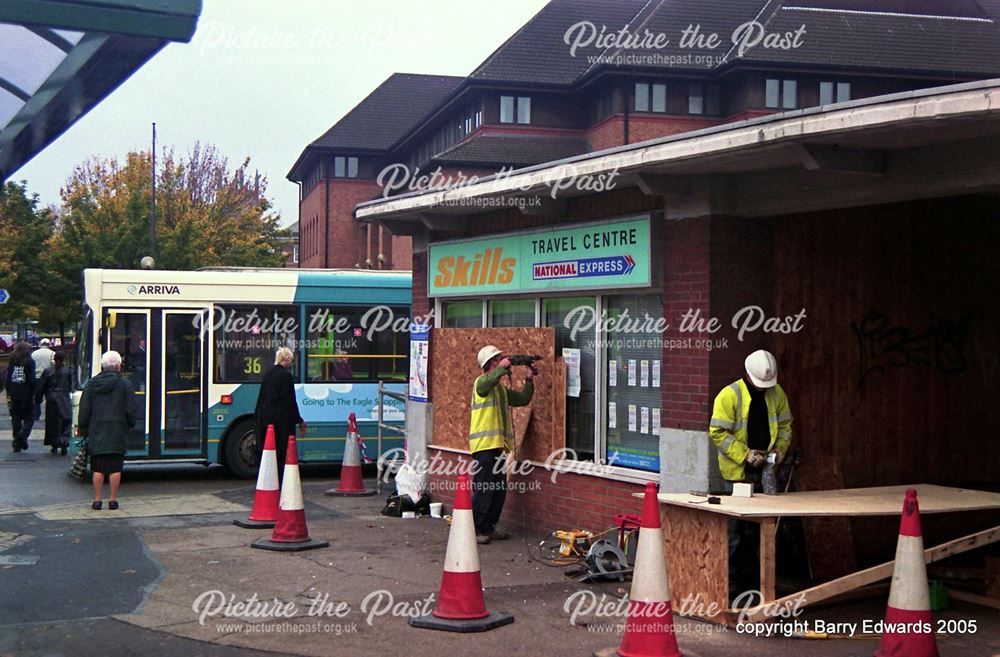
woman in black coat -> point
(19, 382)
(276, 405)
(54, 386)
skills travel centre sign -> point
(591, 256)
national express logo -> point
(485, 268)
(154, 289)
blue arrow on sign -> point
(4, 295)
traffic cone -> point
(265, 501)
(290, 533)
(649, 629)
(909, 607)
(461, 607)
(351, 484)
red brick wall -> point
(402, 252)
(347, 238)
(607, 134)
(311, 214)
(644, 127)
(535, 503)
(686, 271)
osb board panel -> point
(697, 552)
(453, 354)
(829, 541)
(559, 383)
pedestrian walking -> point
(108, 410)
(276, 404)
(54, 387)
(19, 383)
(43, 357)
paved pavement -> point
(166, 575)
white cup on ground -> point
(436, 508)
(409, 514)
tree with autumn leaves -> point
(207, 214)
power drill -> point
(521, 359)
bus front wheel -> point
(241, 450)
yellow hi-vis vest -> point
(490, 426)
(728, 427)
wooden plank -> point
(767, 542)
(871, 575)
(876, 501)
(974, 599)
(697, 553)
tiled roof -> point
(538, 54)
(389, 112)
(500, 150)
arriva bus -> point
(196, 344)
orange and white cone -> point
(351, 484)
(290, 532)
(649, 629)
(265, 501)
(461, 607)
(909, 629)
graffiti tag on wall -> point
(940, 347)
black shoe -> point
(96, 505)
(113, 505)
(55, 450)
(62, 450)
(17, 449)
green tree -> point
(24, 230)
(207, 214)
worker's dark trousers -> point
(489, 489)
(744, 549)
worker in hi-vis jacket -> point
(750, 420)
(491, 438)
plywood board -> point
(875, 501)
(697, 552)
(454, 369)
(829, 541)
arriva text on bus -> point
(375, 320)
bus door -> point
(182, 396)
(126, 330)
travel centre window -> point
(462, 314)
(504, 313)
(782, 94)
(246, 338)
(562, 314)
(356, 343)
(515, 109)
(650, 97)
(634, 353)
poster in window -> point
(644, 423)
(656, 420)
(631, 417)
(644, 374)
(612, 415)
(656, 374)
(572, 359)
(612, 374)
(419, 350)
(631, 372)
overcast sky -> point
(263, 79)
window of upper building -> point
(604, 106)
(515, 109)
(834, 92)
(650, 97)
(345, 167)
(703, 98)
(782, 94)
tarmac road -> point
(78, 582)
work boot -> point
(499, 535)
(482, 539)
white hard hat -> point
(762, 369)
(486, 353)
(45, 342)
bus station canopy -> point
(60, 58)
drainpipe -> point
(625, 124)
(326, 204)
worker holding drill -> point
(491, 438)
(750, 421)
